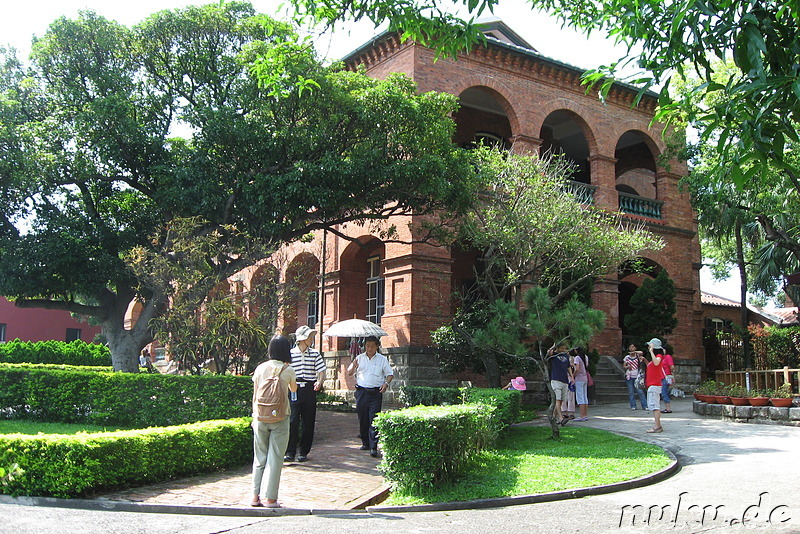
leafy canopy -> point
(215, 112)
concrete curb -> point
(360, 504)
(500, 502)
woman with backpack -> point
(272, 381)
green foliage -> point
(18, 426)
(784, 391)
(654, 308)
(775, 347)
(429, 396)
(76, 466)
(123, 399)
(424, 446)
(56, 352)
(506, 402)
(525, 462)
(277, 145)
(530, 232)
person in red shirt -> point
(653, 379)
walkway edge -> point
(500, 502)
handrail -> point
(636, 205)
(760, 378)
(583, 193)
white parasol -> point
(355, 328)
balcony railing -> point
(583, 193)
(636, 205)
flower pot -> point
(740, 401)
(781, 403)
(710, 399)
(758, 401)
(722, 399)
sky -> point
(24, 19)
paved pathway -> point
(337, 476)
(731, 471)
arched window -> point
(375, 290)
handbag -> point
(640, 381)
(589, 379)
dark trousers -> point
(368, 405)
(301, 422)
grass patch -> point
(528, 462)
(36, 427)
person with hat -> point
(373, 376)
(653, 378)
(309, 367)
(517, 383)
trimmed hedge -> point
(429, 396)
(133, 400)
(73, 353)
(427, 445)
(508, 402)
(77, 466)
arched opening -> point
(563, 135)
(631, 277)
(636, 175)
(301, 286)
(263, 298)
(482, 119)
(362, 281)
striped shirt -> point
(307, 364)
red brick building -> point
(39, 324)
(512, 95)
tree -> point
(654, 307)
(752, 126)
(276, 146)
(530, 232)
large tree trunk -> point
(489, 360)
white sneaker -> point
(633, 408)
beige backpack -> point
(272, 401)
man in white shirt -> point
(309, 367)
(373, 376)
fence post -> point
(786, 378)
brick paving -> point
(337, 476)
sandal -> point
(273, 505)
(655, 430)
(256, 502)
(667, 411)
(564, 421)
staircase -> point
(609, 381)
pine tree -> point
(653, 307)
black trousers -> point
(368, 405)
(301, 422)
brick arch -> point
(504, 95)
(353, 275)
(654, 143)
(577, 111)
(300, 278)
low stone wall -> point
(765, 415)
(687, 374)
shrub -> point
(73, 353)
(507, 402)
(76, 466)
(427, 445)
(429, 396)
(133, 400)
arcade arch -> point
(482, 118)
(564, 134)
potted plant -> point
(782, 396)
(738, 394)
(721, 394)
(758, 397)
(705, 391)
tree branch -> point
(74, 307)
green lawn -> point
(527, 462)
(35, 427)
